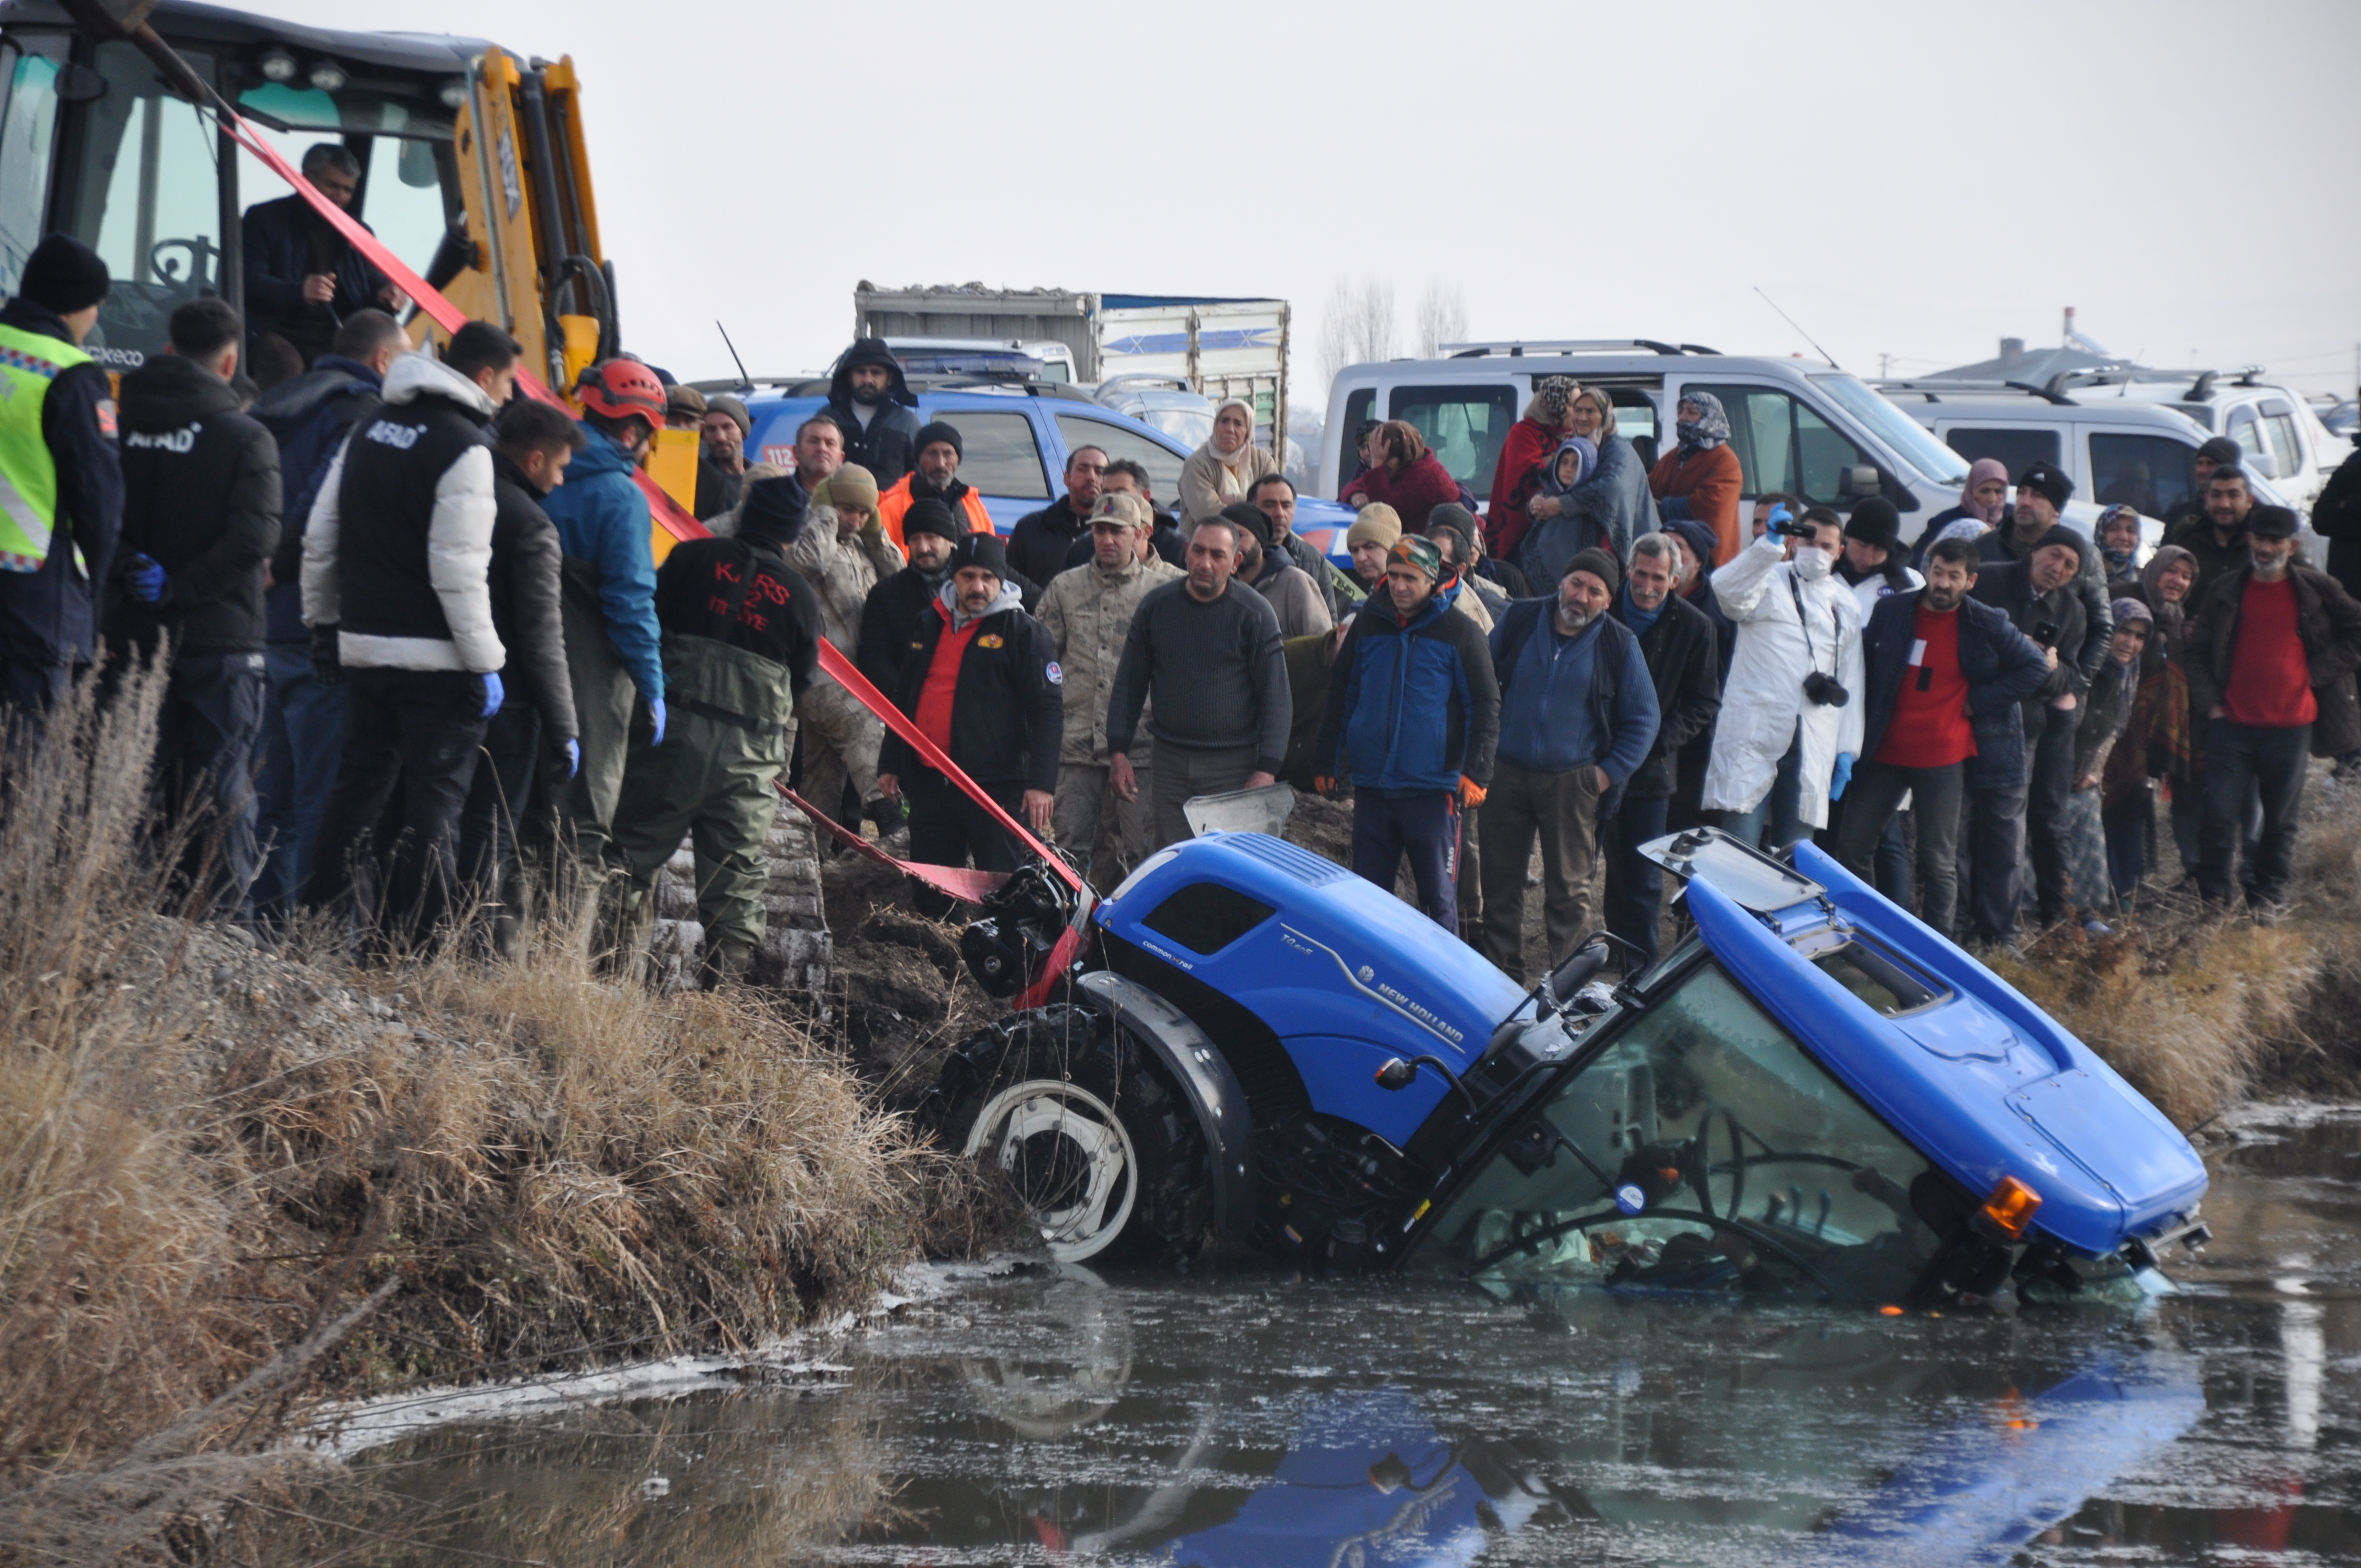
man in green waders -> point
(741, 639)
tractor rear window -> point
(1205, 916)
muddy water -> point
(1242, 1416)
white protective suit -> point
(1765, 698)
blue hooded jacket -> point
(603, 523)
(1413, 706)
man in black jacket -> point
(1947, 675)
(2042, 492)
(1041, 540)
(2040, 596)
(1684, 658)
(302, 277)
(397, 592)
(873, 406)
(931, 533)
(200, 517)
(303, 719)
(980, 679)
(532, 443)
(62, 447)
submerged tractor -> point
(1812, 1093)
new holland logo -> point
(1368, 974)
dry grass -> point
(208, 1153)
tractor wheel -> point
(1098, 1140)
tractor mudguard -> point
(1197, 1065)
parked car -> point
(1014, 359)
(1796, 425)
(1016, 436)
(1812, 1093)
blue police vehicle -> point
(1812, 1093)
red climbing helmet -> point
(619, 389)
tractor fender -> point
(1197, 1065)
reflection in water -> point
(1257, 1418)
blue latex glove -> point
(147, 580)
(573, 759)
(494, 692)
(656, 712)
(1779, 514)
(1843, 775)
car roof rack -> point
(1517, 348)
(1933, 387)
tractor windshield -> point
(1702, 1149)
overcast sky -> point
(1905, 179)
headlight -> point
(328, 76)
(275, 65)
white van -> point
(1797, 426)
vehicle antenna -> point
(1799, 331)
(743, 379)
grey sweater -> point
(1216, 671)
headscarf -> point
(1710, 431)
(1236, 469)
(2116, 568)
(1398, 432)
(1552, 394)
(1584, 449)
(2169, 618)
(2127, 611)
(1603, 403)
(1980, 470)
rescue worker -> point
(980, 680)
(406, 515)
(842, 552)
(309, 416)
(873, 406)
(59, 475)
(741, 639)
(532, 443)
(1088, 612)
(611, 635)
(894, 604)
(939, 453)
(200, 517)
(1040, 544)
(777, 506)
(1413, 712)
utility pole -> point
(1884, 366)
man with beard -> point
(2216, 536)
(1041, 542)
(1275, 495)
(1577, 715)
(1945, 674)
(873, 406)
(927, 532)
(302, 277)
(776, 507)
(1300, 606)
(939, 451)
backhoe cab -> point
(472, 169)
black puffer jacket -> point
(527, 580)
(200, 499)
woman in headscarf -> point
(1612, 502)
(2168, 745)
(1404, 475)
(1701, 477)
(1527, 448)
(1983, 506)
(1224, 470)
(2117, 535)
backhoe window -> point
(29, 134)
(1704, 1149)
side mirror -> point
(1858, 481)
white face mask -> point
(1812, 562)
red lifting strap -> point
(960, 881)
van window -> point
(2153, 473)
(1784, 444)
(1465, 425)
(1359, 409)
(1001, 458)
(1635, 422)
(2252, 453)
(2015, 446)
(1163, 468)
(2279, 423)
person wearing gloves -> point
(842, 552)
(980, 680)
(1790, 725)
(532, 442)
(405, 516)
(614, 647)
(930, 533)
(872, 405)
(1225, 467)
(1700, 477)
(1087, 611)
(1404, 475)
(939, 451)
(2039, 595)
(1577, 718)
(1940, 718)
(200, 519)
(1414, 711)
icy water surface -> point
(1247, 1417)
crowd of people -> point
(420, 651)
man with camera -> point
(1789, 729)
(2041, 597)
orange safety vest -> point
(896, 500)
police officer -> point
(61, 487)
(741, 641)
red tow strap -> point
(959, 882)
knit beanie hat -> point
(2048, 480)
(2221, 449)
(930, 433)
(1420, 553)
(1598, 564)
(681, 398)
(1874, 521)
(1378, 524)
(854, 486)
(723, 403)
(2270, 522)
(64, 275)
(927, 515)
(1452, 515)
(1698, 537)
(982, 550)
(1126, 508)
(2127, 611)
(1249, 519)
(2058, 533)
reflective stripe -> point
(29, 363)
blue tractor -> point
(1812, 1093)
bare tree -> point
(1356, 325)
(1442, 318)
